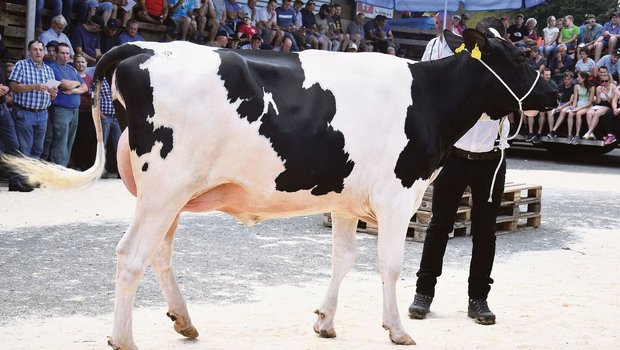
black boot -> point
(479, 310)
(421, 306)
(19, 187)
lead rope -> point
(478, 56)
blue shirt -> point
(51, 35)
(231, 8)
(595, 32)
(606, 61)
(27, 72)
(88, 41)
(69, 73)
(182, 10)
(125, 38)
(285, 18)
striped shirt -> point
(27, 72)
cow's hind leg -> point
(154, 215)
(162, 266)
(392, 223)
(343, 257)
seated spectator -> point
(379, 32)
(54, 33)
(201, 13)
(605, 93)
(217, 19)
(550, 37)
(609, 37)
(517, 32)
(221, 39)
(611, 62)
(352, 47)
(131, 33)
(247, 30)
(181, 14)
(308, 19)
(531, 39)
(535, 138)
(568, 34)
(52, 51)
(266, 21)
(57, 8)
(85, 9)
(86, 39)
(255, 43)
(584, 98)
(152, 11)
(234, 14)
(589, 33)
(536, 61)
(250, 10)
(110, 36)
(585, 63)
(286, 45)
(561, 62)
(337, 22)
(355, 30)
(285, 20)
(565, 95)
(322, 23)
(611, 120)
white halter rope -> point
(519, 102)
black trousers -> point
(448, 189)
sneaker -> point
(536, 139)
(575, 140)
(588, 136)
(552, 134)
(610, 139)
(569, 139)
(478, 309)
(421, 306)
(529, 137)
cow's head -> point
(509, 63)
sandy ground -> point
(561, 299)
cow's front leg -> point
(343, 257)
(134, 251)
(392, 226)
(162, 266)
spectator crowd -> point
(580, 60)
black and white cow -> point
(261, 135)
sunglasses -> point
(604, 81)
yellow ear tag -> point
(475, 53)
(460, 48)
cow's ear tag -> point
(460, 48)
(475, 53)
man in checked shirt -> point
(31, 96)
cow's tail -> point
(46, 174)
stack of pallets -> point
(520, 208)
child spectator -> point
(535, 138)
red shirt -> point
(85, 97)
(247, 31)
(155, 8)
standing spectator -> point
(517, 32)
(8, 138)
(565, 93)
(85, 144)
(550, 38)
(355, 30)
(568, 34)
(152, 11)
(609, 37)
(285, 19)
(561, 62)
(65, 108)
(535, 138)
(457, 28)
(474, 161)
(86, 39)
(131, 33)
(585, 63)
(54, 33)
(464, 19)
(605, 93)
(589, 33)
(612, 63)
(31, 98)
(110, 36)
(438, 47)
(181, 13)
(51, 52)
(250, 10)
(266, 21)
(110, 128)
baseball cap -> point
(352, 46)
(520, 15)
(457, 17)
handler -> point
(472, 162)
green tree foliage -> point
(577, 8)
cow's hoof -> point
(404, 339)
(189, 332)
(323, 333)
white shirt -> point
(481, 137)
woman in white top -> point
(585, 63)
(605, 94)
(550, 37)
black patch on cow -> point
(145, 167)
(298, 126)
(134, 85)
